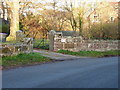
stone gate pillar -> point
(20, 36)
(51, 40)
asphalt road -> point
(82, 73)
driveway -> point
(58, 56)
(79, 73)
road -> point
(80, 73)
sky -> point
(78, 1)
(99, 0)
(89, 0)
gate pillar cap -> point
(52, 32)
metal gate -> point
(41, 43)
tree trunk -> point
(14, 21)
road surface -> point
(80, 73)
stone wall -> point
(14, 49)
(77, 44)
(21, 45)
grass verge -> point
(92, 53)
(23, 60)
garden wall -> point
(77, 44)
(21, 45)
(14, 49)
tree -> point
(54, 16)
(75, 16)
(54, 21)
(71, 15)
(14, 21)
(14, 7)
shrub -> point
(5, 27)
(105, 31)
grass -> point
(8, 42)
(23, 59)
(91, 53)
(38, 43)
